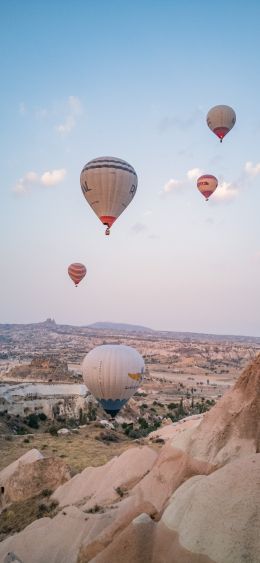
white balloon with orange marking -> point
(220, 120)
(77, 272)
(112, 373)
(109, 185)
(207, 184)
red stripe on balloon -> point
(77, 272)
(107, 220)
(221, 131)
(207, 193)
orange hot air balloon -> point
(220, 120)
(77, 272)
(207, 184)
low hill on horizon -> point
(107, 326)
(119, 326)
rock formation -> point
(197, 500)
(7, 473)
(42, 368)
(217, 515)
(231, 429)
(29, 457)
(30, 479)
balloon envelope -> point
(77, 272)
(220, 120)
(109, 185)
(112, 373)
(207, 184)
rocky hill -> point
(41, 368)
(120, 327)
(195, 500)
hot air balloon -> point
(207, 184)
(77, 272)
(220, 120)
(108, 184)
(112, 373)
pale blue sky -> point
(133, 80)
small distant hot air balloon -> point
(207, 184)
(77, 272)
(112, 373)
(220, 120)
(109, 185)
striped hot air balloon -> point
(77, 272)
(109, 185)
(112, 373)
(207, 184)
(220, 120)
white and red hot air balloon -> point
(207, 184)
(220, 120)
(109, 185)
(77, 272)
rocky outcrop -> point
(197, 500)
(170, 470)
(30, 479)
(133, 545)
(231, 428)
(30, 456)
(217, 516)
(42, 368)
(212, 518)
(169, 431)
(51, 540)
(53, 400)
(101, 486)
(137, 544)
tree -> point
(33, 421)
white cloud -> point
(74, 110)
(20, 188)
(75, 105)
(51, 178)
(194, 173)
(224, 192)
(67, 126)
(48, 178)
(251, 169)
(171, 185)
(31, 177)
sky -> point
(133, 80)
